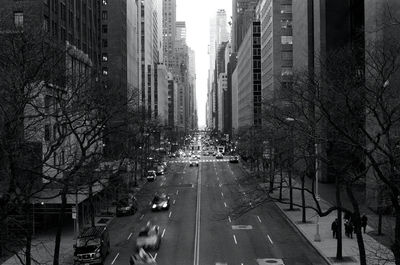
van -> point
(92, 246)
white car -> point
(142, 257)
(149, 238)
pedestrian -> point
(351, 229)
(334, 228)
(346, 228)
(364, 221)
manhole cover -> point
(269, 261)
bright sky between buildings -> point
(197, 14)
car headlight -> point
(165, 205)
(154, 206)
(98, 255)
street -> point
(198, 228)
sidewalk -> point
(377, 254)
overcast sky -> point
(197, 15)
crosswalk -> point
(200, 161)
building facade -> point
(249, 79)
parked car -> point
(126, 207)
(92, 246)
(151, 175)
(234, 159)
(149, 237)
(160, 202)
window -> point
(287, 56)
(46, 24)
(286, 39)
(105, 2)
(19, 19)
(286, 9)
(105, 43)
(105, 71)
(47, 132)
(287, 71)
(104, 28)
(47, 103)
(286, 23)
(104, 15)
(104, 57)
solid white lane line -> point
(169, 216)
(155, 256)
(129, 236)
(259, 218)
(141, 217)
(270, 240)
(163, 232)
(225, 204)
(229, 218)
(234, 238)
(196, 255)
(115, 258)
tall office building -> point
(120, 62)
(321, 27)
(381, 30)
(169, 32)
(243, 13)
(218, 34)
(276, 46)
(249, 79)
(151, 47)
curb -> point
(303, 235)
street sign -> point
(74, 216)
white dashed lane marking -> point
(270, 240)
(234, 238)
(115, 258)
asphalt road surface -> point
(198, 229)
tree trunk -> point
(28, 244)
(339, 254)
(357, 225)
(303, 200)
(60, 226)
(395, 247)
(280, 183)
(92, 219)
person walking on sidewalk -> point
(364, 221)
(351, 229)
(334, 228)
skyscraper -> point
(243, 13)
(169, 32)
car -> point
(126, 207)
(194, 163)
(219, 156)
(160, 202)
(234, 159)
(149, 237)
(160, 170)
(151, 175)
(92, 245)
(142, 257)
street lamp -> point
(289, 119)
